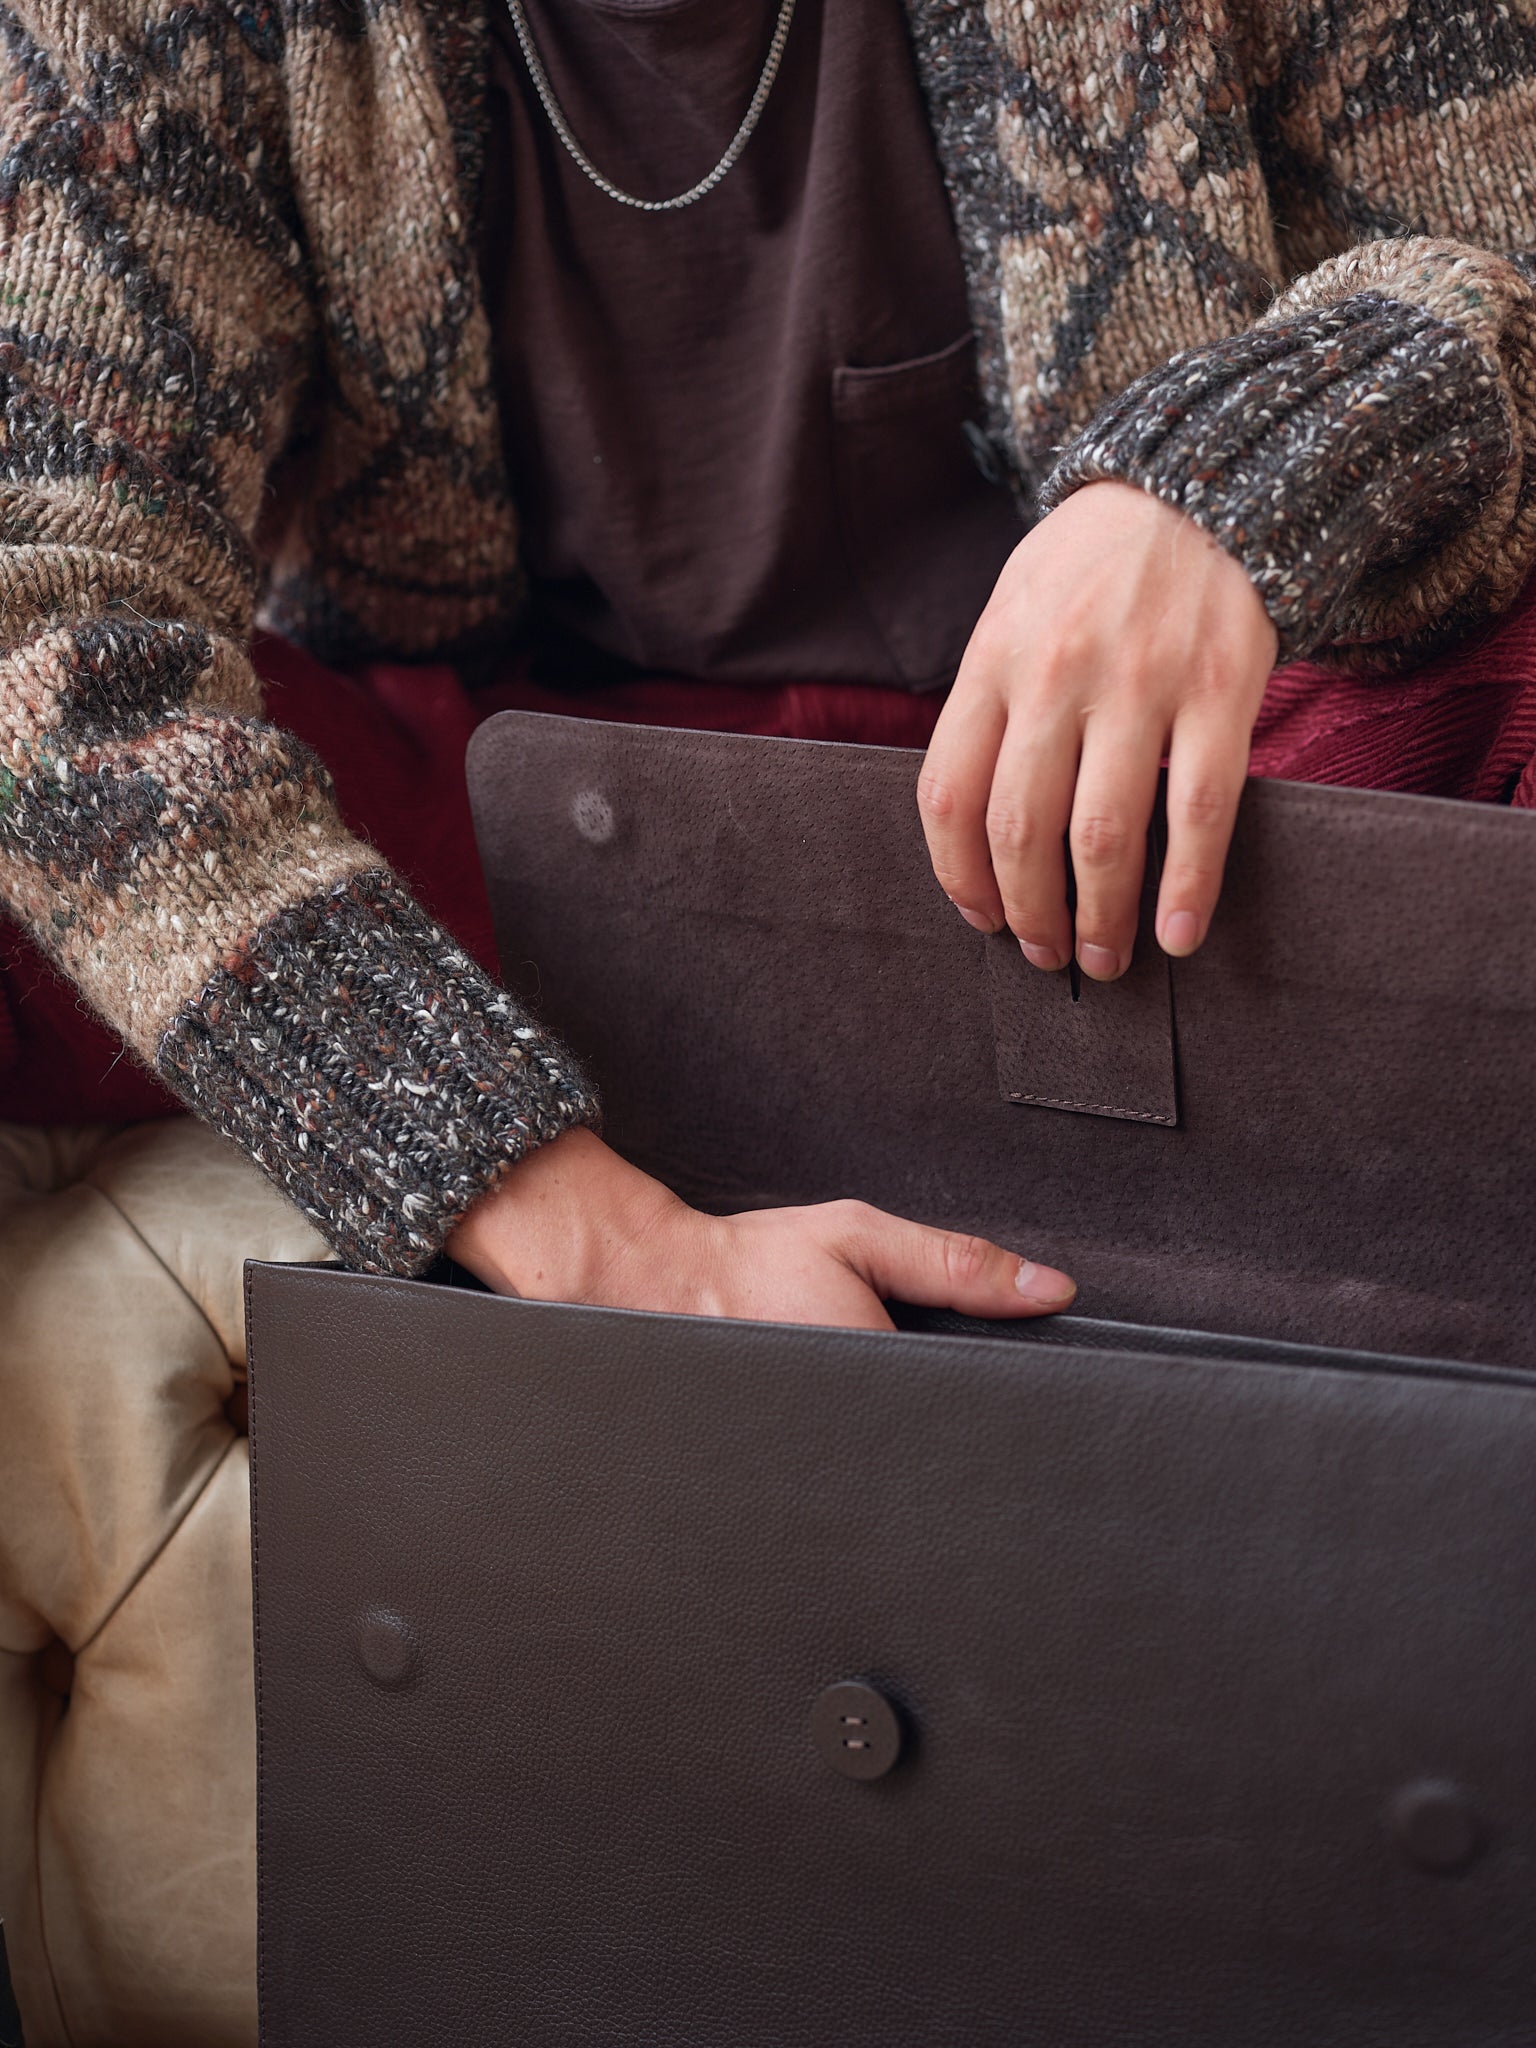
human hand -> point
(1118, 632)
(575, 1222)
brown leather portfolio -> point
(1160, 1674)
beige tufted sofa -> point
(127, 1765)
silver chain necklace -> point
(583, 162)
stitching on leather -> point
(1141, 1116)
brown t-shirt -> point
(737, 433)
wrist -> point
(563, 1222)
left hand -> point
(1118, 633)
(575, 1222)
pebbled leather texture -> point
(1215, 1676)
(743, 941)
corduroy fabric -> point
(246, 369)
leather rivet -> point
(386, 1647)
(856, 1730)
(1435, 1825)
(592, 815)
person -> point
(1016, 378)
(1089, 358)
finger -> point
(1027, 812)
(905, 1261)
(1111, 810)
(952, 802)
(1207, 767)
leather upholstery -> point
(127, 1779)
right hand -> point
(1119, 632)
(575, 1222)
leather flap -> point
(1101, 1049)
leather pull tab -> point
(1108, 1052)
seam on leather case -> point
(1110, 1055)
(1140, 1116)
(401, 1293)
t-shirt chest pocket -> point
(925, 531)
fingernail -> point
(1181, 932)
(1044, 1286)
(1099, 962)
(974, 918)
(1042, 956)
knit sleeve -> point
(181, 859)
(1368, 450)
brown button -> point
(1435, 1825)
(856, 1729)
(386, 1647)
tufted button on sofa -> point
(127, 1740)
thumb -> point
(910, 1262)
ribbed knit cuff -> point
(1317, 450)
(372, 1070)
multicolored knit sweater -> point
(1271, 263)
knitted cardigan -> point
(1271, 264)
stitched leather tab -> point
(1109, 1053)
